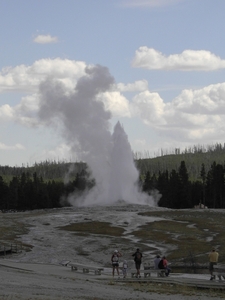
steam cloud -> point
(85, 125)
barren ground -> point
(89, 235)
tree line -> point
(28, 192)
(193, 157)
(196, 149)
(47, 170)
(33, 191)
(179, 192)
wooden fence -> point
(10, 249)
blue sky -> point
(167, 58)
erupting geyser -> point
(84, 125)
(123, 181)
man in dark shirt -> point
(137, 258)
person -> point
(213, 259)
(163, 264)
(115, 262)
(125, 267)
(156, 262)
(138, 259)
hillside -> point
(193, 162)
(179, 179)
(58, 170)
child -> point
(125, 267)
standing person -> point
(213, 259)
(125, 267)
(138, 259)
(115, 262)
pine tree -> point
(203, 176)
(185, 191)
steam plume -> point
(84, 124)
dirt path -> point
(42, 281)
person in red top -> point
(165, 265)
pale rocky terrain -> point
(38, 274)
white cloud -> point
(25, 112)
(194, 115)
(137, 86)
(208, 100)
(45, 39)
(6, 113)
(27, 78)
(188, 60)
(149, 3)
(14, 147)
(116, 103)
(150, 107)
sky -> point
(156, 66)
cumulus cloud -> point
(188, 60)
(27, 78)
(194, 115)
(6, 113)
(14, 147)
(209, 100)
(116, 103)
(150, 107)
(25, 112)
(137, 86)
(45, 39)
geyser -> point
(84, 125)
(123, 180)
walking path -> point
(194, 280)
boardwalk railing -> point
(10, 249)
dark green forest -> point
(45, 185)
(183, 180)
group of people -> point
(115, 263)
(162, 263)
(159, 263)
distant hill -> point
(193, 157)
(47, 170)
(193, 162)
